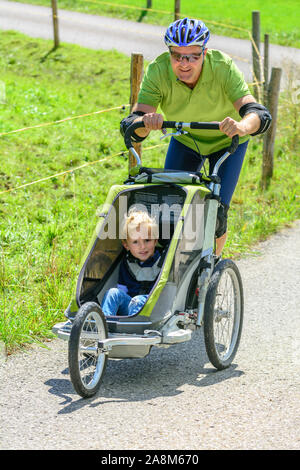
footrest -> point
(128, 340)
(178, 336)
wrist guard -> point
(262, 112)
(127, 121)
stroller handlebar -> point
(179, 126)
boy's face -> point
(141, 248)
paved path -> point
(99, 32)
(174, 398)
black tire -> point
(87, 366)
(223, 314)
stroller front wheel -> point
(86, 363)
(223, 315)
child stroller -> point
(192, 289)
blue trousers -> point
(181, 157)
(117, 302)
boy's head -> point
(139, 234)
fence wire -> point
(70, 118)
(72, 170)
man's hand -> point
(248, 125)
(152, 121)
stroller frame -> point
(185, 306)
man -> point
(193, 83)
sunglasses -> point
(189, 57)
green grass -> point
(280, 19)
(45, 227)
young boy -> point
(138, 269)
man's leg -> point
(220, 243)
(181, 157)
(229, 174)
(221, 228)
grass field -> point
(45, 227)
(280, 19)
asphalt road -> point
(97, 32)
(174, 398)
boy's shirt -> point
(134, 278)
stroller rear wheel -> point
(223, 316)
(86, 363)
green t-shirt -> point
(220, 84)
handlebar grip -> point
(168, 124)
(129, 132)
(234, 144)
(213, 126)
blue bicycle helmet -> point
(187, 32)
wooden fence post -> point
(136, 75)
(266, 68)
(177, 10)
(55, 23)
(269, 137)
(144, 12)
(256, 51)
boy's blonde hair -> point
(139, 223)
